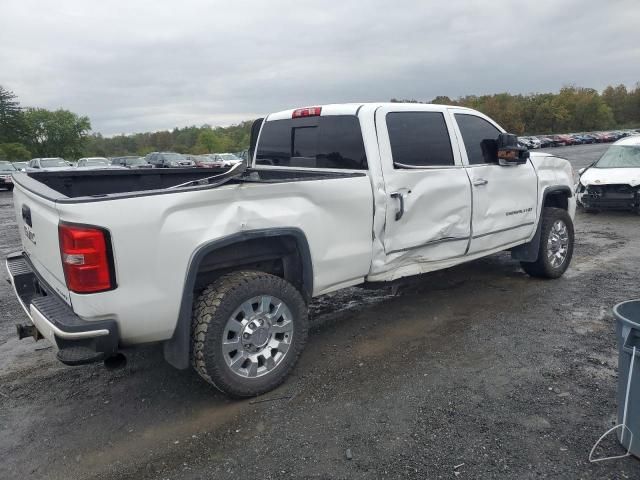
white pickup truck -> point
(220, 268)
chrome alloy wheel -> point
(257, 336)
(558, 243)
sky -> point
(142, 65)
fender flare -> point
(528, 252)
(177, 349)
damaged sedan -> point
(613, 182)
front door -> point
(428, 215)
(504, 197)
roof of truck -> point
(347, 108)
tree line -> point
(573, 109)
(37, 132)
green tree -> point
(14, 152)
(11, 124)
(210, 141)
(59, 133)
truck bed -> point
(98, 183)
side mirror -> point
(509, 152)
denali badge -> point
(29, 234)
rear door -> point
(504, 197)
(428, 214)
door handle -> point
(480, 182)
(400, 197)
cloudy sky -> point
(140, 65)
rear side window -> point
(334, 141)
(474, 130)
(419, 139)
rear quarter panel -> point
(155, 236)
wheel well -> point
(558, 199)
(277, 255)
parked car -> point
(6, 169)
(613, 182)
(526, 142)
(227, 159)
(564, 140)
(547, 142)
(48, 164)
(208, 161)
(588, 138)
(95, 163)
(337, 196)
(169, 160)
(535, 142)
(131, 162)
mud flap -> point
(528, 252)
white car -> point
(96, 163)
(220, 267)
(613, 182)
(50, 164)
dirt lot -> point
(475, 372)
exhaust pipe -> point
(115, 362)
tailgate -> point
(37, 220)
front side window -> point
(333, 141)
(419, 139)
(474, 130)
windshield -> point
(135, 161)
(96, 162)
(53, 162)
(6, 167)
(174, 157)
(620, 156)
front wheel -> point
(556, 245)
(249, 329)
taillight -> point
(307, 112)
(86, 258)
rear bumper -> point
(78, 341)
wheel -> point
(248, 331)
(556, 245)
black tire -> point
(543, 268)
(215, 307)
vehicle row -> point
(152, 160)
(561, 140)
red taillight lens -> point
(85, 258)
(307, 112)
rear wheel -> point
(556, 245)
(249, 329)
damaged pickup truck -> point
(613, 182)
(220, 269)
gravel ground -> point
(474, 372)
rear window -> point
(334, 141)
